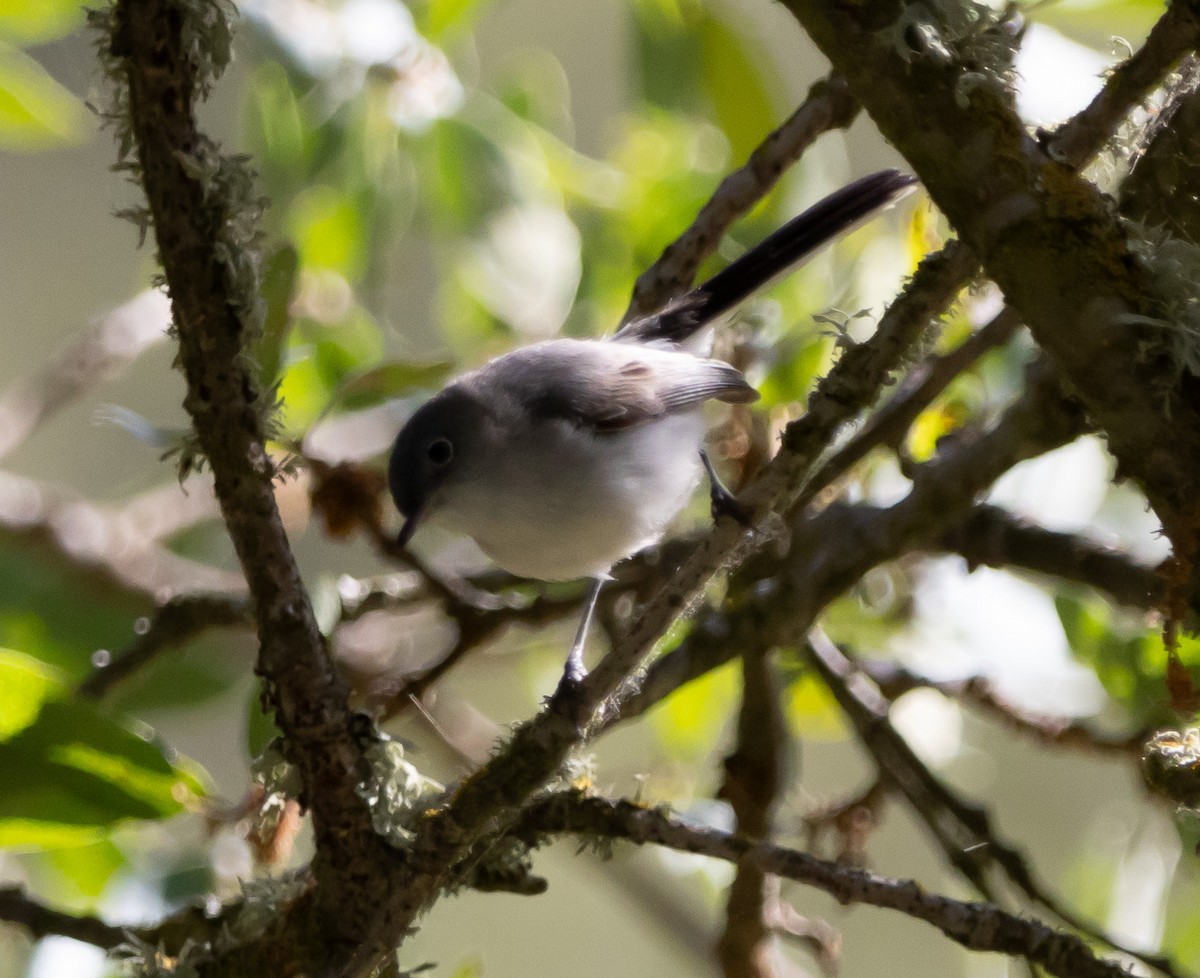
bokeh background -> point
(446, 180)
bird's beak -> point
(409, 528)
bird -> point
(566, 456)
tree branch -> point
(962, 829)
(829, 105)
(203, 211)
(994, 538)
(17, 907)
(1047, 237)
(893, 680)
(753, 777)
(182, 618)
(827, 553)
(976, 926)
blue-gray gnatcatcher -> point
(564, 457)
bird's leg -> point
(576, 672)
(724, 502)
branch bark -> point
(977, 926)
(1046, 236)
(201, 204)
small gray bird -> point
(561, 458)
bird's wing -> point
(608, 387)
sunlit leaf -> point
(735, 82)
(471, 967)
(1098, 22)
(25, 682)
(1128, 658)
(82, 872)
(36, 112)
(35, 21)
(71, 772)
(443, 18)
(691, 720)
(327, 227)
(811, 711)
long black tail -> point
(791, 245)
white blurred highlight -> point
(1003, 629)
(528, 270)
(1056, 76)
(346, 43)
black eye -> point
(440, 451)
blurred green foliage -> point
(70, 772)
(36, 112)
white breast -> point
(563, 502)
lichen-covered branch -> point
(165, 53)
(1046, 236)
(976, 926)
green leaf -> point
(36, 112)
(184, 679)
(735, 84)
(811, 711)
(35, 21)
(70, 772)
(668, 53)
(45, 611)
(25, 682)
(441, 18)
(389, 380)
(278, 287)
(691, 720)
(320, 357)
(1128, 659)
(84, 871)
(327, 227)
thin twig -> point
(827, 106)
(99, 354)
(38, 920)
(179, 620)
(963, 829)
(894, 680)
(1172, 37)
